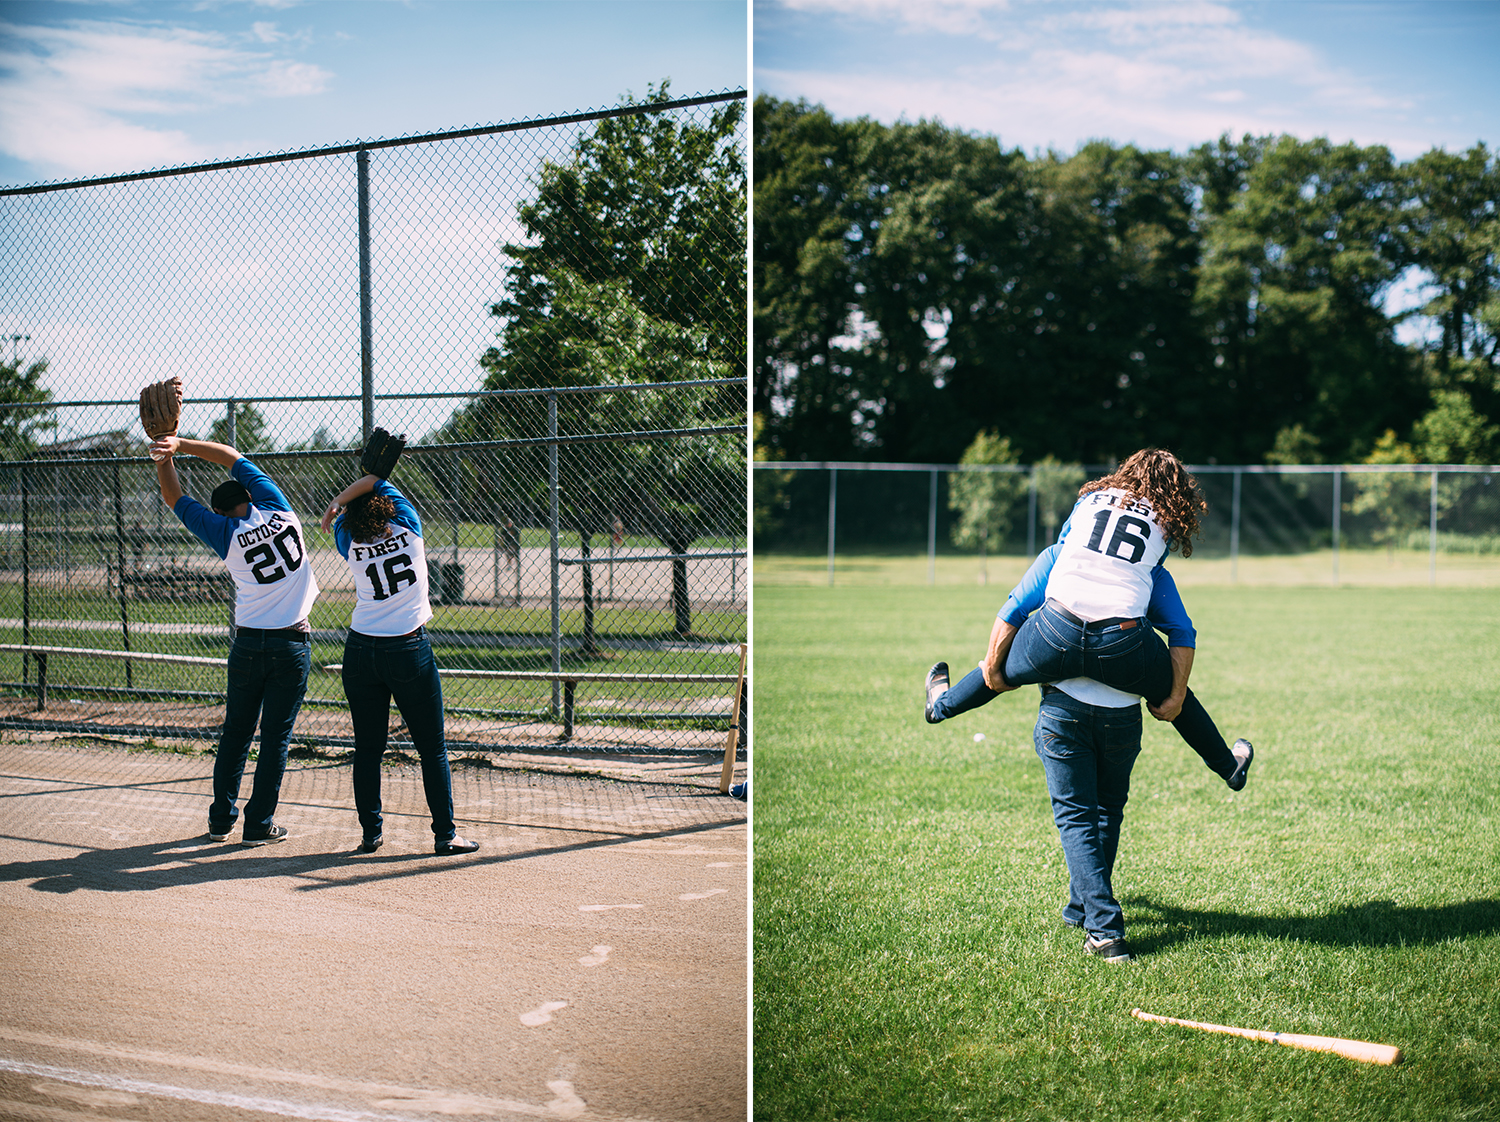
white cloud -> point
(71, 96)
(1167, 75)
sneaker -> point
(1110, 950)
(274, 834)
(740, 791)
(1243, 753)
(455, 844)
(213, 837)
(370, 845)
(937, 685)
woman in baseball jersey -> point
(387, 654)
(1100, 590)
(258, 536)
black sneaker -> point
(370, 845)
(274, 834)
(455, 844)
(1243, 752)
(1110, 950)
(937, 685)
(213, 837)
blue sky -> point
(91, 88)
(1043, 74)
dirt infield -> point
(589, 962)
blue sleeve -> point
(213, 530)
(263, 493)
(1166, 613)
(406, 514)
(1031, 593)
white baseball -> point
(978, 736)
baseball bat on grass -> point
(1352, 1049)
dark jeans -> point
(267, 678)
(377, 670)
(1053, 645)
(1088, 752)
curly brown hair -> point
(368, 516)
(1159, 477)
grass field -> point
(910, 962)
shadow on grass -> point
(1377, 923)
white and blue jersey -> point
(1164, 609)
(390, 575)
(1111, 549)
(274, 586)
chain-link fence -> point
(1399, 523)
(554, 311)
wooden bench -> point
(41, 653)
(569, 679)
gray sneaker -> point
(1110, 950)
(937, 685)
(270, 837)
(1243, 753)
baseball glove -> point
(161, 404)
(381, 452)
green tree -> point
(21, 385)
(986, 501)
(1398, 499)
(1299, 251)
(249, 430)
(1057, 487)
(633, 271)
(1449, 230)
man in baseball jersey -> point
(258, 536)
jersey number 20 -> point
(262, 557)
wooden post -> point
(734, 726)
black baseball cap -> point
(228, 495)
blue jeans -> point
(377, 670)
(1053, 645)
(1088, 752)
(267, 678)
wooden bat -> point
(1352, 1049)
(727, 775)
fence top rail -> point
(371, 145)
(614, 387)
(43, 461)
(1098, 469)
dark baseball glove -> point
(161, 405)
(381, 452)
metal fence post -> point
(366, 330)
(1234, 530)
(120, 574)
(552, 524)
(231, 437)
(932, 531)
(1338, 504)
(833, 502)
(1031, 512)
(1432, 534)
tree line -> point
(917, 288)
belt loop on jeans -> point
(1124, 623)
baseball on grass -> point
(978, 736)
